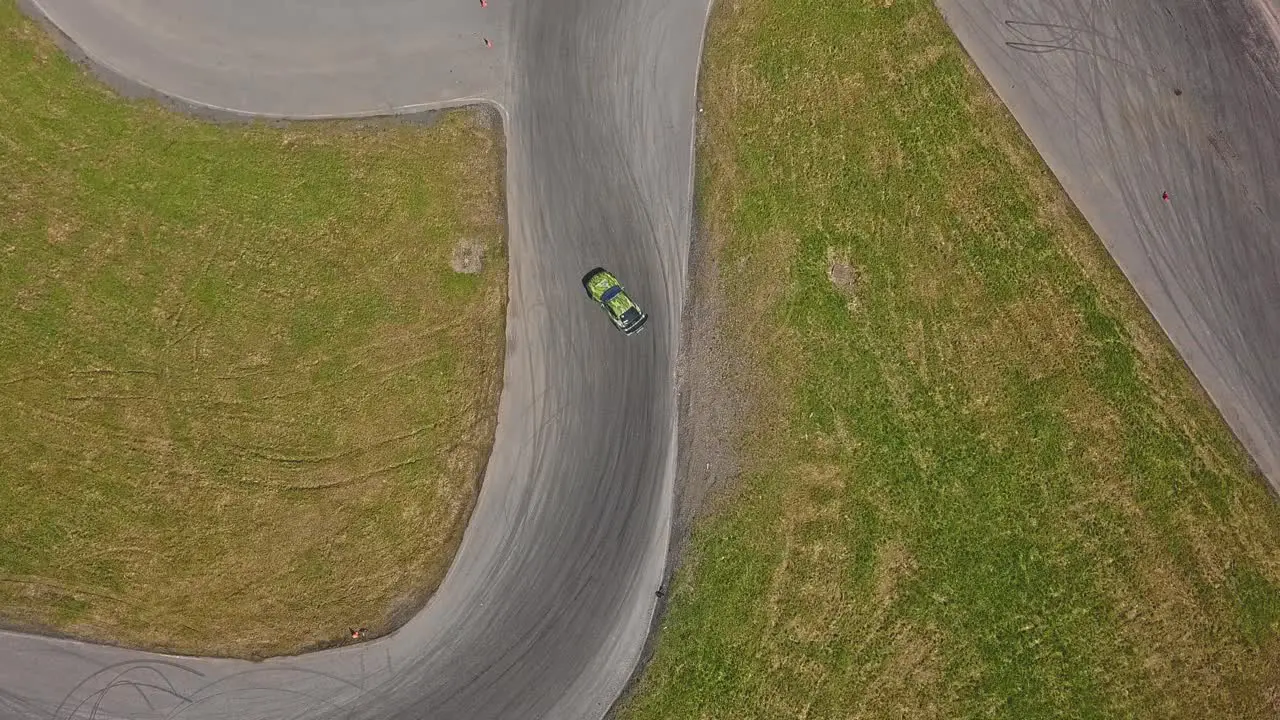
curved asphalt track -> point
(546, 607)
(547, 604)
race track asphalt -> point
(546, 607)
(1129, 99)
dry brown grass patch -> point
(909, 683)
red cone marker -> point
(1164, 196)
(487, 43)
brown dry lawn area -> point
(976, 481)
(246, 401)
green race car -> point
(605, 289)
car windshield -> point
(630, 316)
(611, 293)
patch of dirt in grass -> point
(468, 257)
(843, 276)
(717, 362)
(719, 354)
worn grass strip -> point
(978, 482)
(245, 399)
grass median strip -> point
(976, 480)
(248, 374)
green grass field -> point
(245, 399)
(977, 481)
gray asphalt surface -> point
(547, 605)
(297, 58)
(1093, 83)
